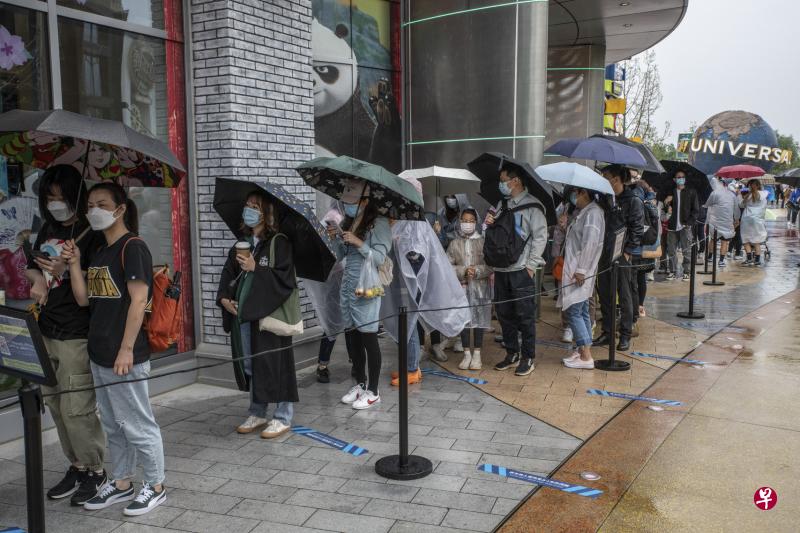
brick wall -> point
(254, 114)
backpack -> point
(502, 245)
(163, 321)
(652, 225)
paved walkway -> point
(659, 469)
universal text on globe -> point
(746, 150)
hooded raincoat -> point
(467, 251)
(431, 285)
(723, 210)
(754, 230)
(582, 249)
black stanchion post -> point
(611, 364)
(705, 270)
(714, 282)
(691, 313)
(32, 405)
(403, 466)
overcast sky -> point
(740, 54)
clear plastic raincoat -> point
(722, 210)
(754, 230)
(467, 251)
(423, 279)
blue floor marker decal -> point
(670, 358)
(333, 442)
(580, 490)
(598, 392)
(441, 373)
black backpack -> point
(615, 227)
(502, 245)
(652, 225)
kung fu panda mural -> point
(355, 110)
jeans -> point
(285, 410)
(684, 239)
(133, 434)
(793, 215)
(516, 317)
(75, 415)
(580, 323)
(477, 336)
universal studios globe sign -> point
(734, 137)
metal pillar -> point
(32, 406)
(691, 313)
(611, 364)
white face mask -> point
(100, 219)
(467, 228)
(60, 210)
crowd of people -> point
(453, 272)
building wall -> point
(254, 115)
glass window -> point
(144, 12)
(24, 78)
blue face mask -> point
(505, 188)
(573, 198)
(251, 217)
(351, 210)
(680, 181)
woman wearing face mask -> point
(65, 327)
(118, 293)
(364, 231)
(582, 250)
(466, 255)
(252, 286)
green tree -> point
(787, 142)
(664, 150)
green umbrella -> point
(394, 196)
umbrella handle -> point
(83, 179)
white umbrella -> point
(575, 175)
(444, 181)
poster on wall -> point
(356, 111)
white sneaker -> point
(275, 428)
(367, 400)
(575, 355)
(476, 364)
(579, 363)
(448, 342)
(567, 335)
(437, 352)
(465, 362)
(353, 394)
(251, 424)
(458, 347)
(651, 276)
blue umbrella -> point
(312, 250)
(598, 149)
(575, 175)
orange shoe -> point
(395, 373)
(413, 377)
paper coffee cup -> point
(243, 248)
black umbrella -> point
(790, 177)
(662, 184)
(311, 248)
(488, 166)
(651, 161)
(695, 178)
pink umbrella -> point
(740, 172)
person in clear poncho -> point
(723, 212)
(754, 229)
(423, 279)
(466, 255)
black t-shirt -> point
(109, 300)
(61, 317)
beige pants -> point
(75, 414)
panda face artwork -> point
(334, 69)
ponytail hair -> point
(120, 197)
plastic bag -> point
(369, 282)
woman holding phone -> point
(65, 327)
(118, 291)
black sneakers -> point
(68, 485)
(508, 362)
(91, 483)
(524, 367)
(108, 495)
(323, 375)
(147, 500)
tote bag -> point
(286, 320)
